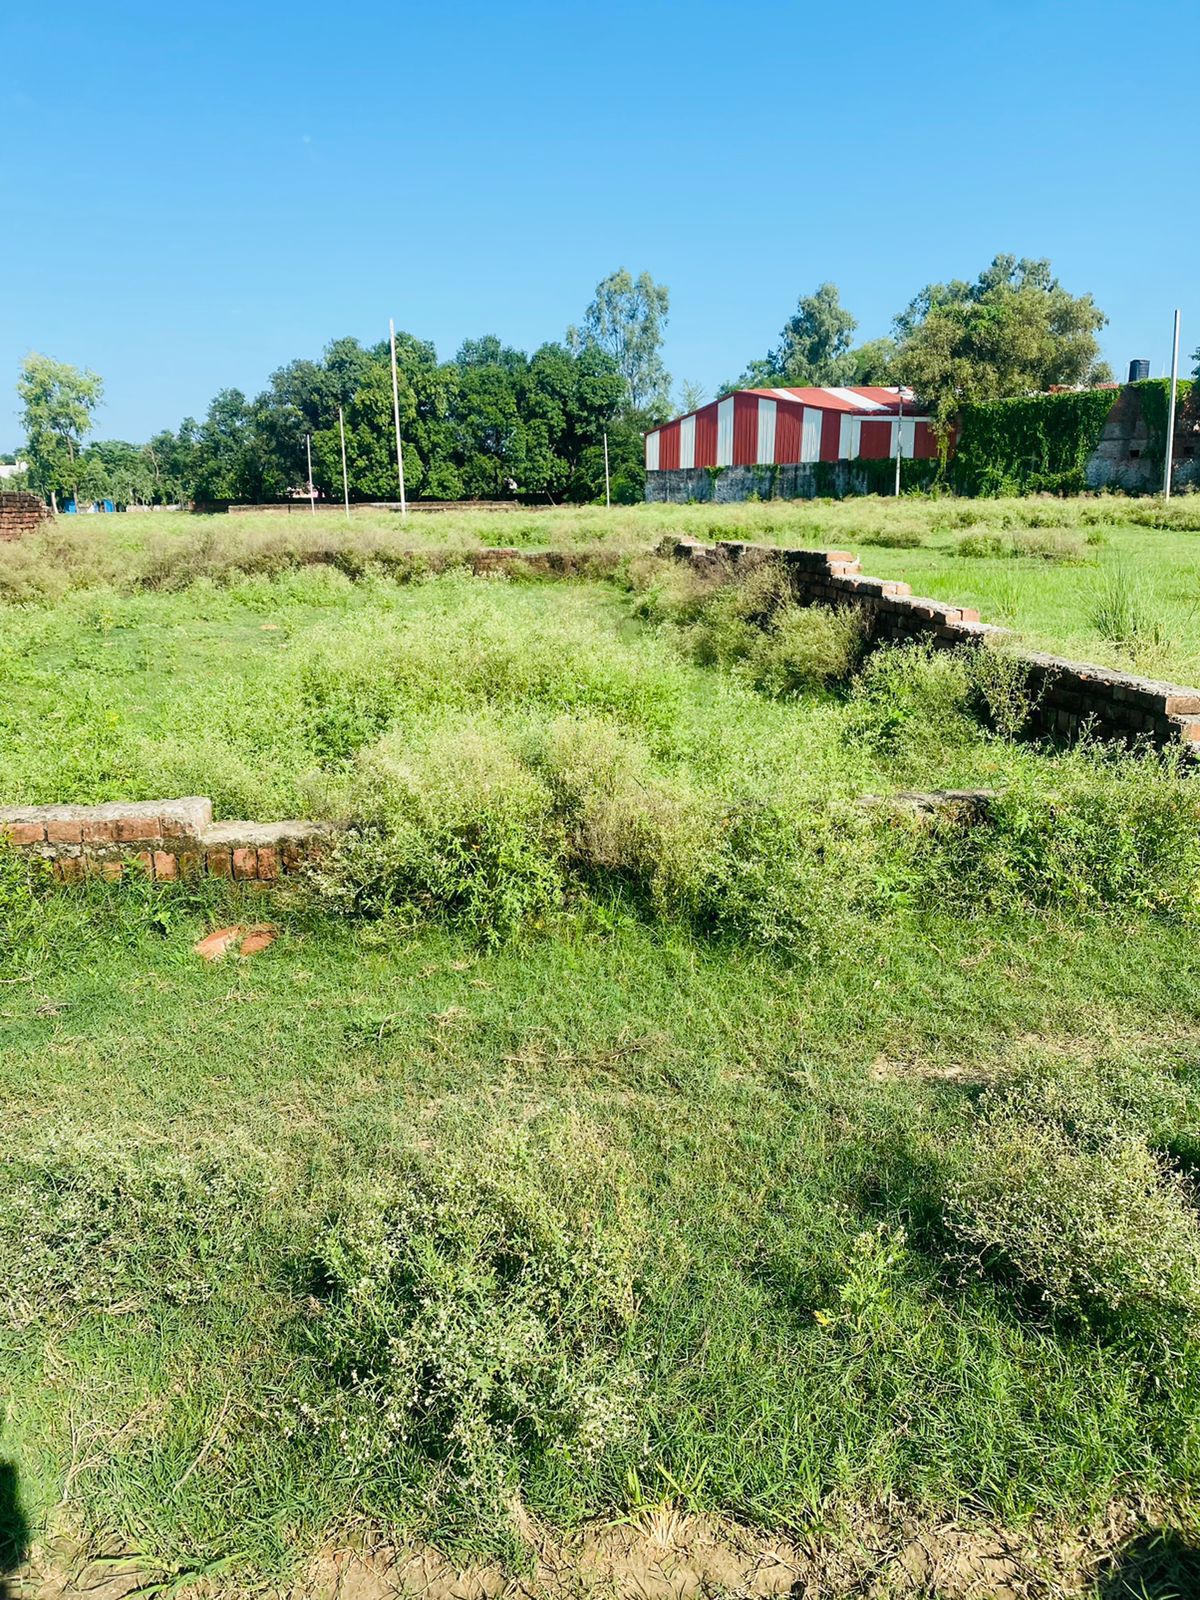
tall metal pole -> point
(899, 435)
(312, 498)
(607, 485)
(1171, 413)
(396, 415)
(345, 474)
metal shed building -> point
(769, 428)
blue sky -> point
(202, 193)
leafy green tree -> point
(626, 320)
(1014, 331)
(111, 469)
(812, 345)
(57, 403)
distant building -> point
(13, 469)
(774, 441)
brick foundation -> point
(20, 513)
(1067, 697)
(165, 840)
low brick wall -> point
(21, 513)
(1067, 697)
(161, 839)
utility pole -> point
(312, 498)
(1170, 458)
(607, 485)
(345, 474)
(396, 415)
(899, 435)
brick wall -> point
(161, 839)
(1068, 697)
(20, 513)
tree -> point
(691, 396)
(813, 343)
(1014, 331)
(1196, 359)
(57, 402)
(626, 321)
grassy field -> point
(1105, 579)
(627, 1124)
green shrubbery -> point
(476, 1313)
(1066, 1199)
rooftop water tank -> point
(1139, 371)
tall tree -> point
(626, 320)
(57, 403)
(1015, 330)
(814, 340)
(814, 348)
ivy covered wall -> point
(1034, 444)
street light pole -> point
(1170, 457)
(899, 435)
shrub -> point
(1097, 1227)
(911, 695)
(806, 648)
(456, 826)
(620, 817)
(1113, 832)
(476, 1314)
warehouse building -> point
(790, 443)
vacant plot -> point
(627, 1125)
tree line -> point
(495, 422)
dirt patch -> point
(666, 1554)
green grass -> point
(1050, 565)
(625, 1116)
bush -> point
(456, 826)
(1114, 832)
(476, 1314)
(909, 696)
(1090, 1221)
(806, 648)
(623, 819)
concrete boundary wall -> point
(163, 840)
(1068, 698)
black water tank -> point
(1139, 371)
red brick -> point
(293, 857)
(64, 832)
(25, 832)
(268, 862)
(111, 870)
(145, 861)
(69, 869)
(165, 865)
(133, 830)
(189, 864)
(245, 863)
(219, 863)
(100, 830)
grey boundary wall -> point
(1068, 698)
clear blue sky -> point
(196, 195)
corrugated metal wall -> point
(747, 429)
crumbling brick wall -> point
(162, 839)
(1067, 698)
(20, 513)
